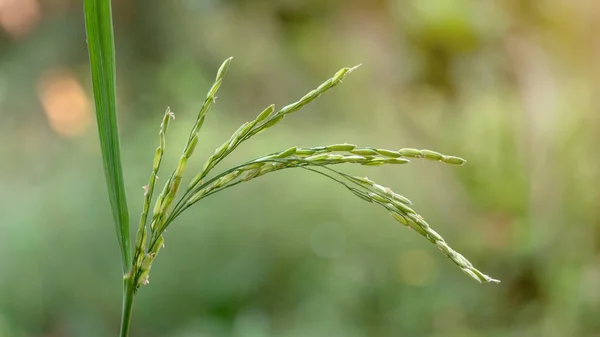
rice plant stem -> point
(128, 295)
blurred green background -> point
(512, 86)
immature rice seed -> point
(404, 209)
(167, 118)
(213, 90)
(401, 199)
(364, 152)
(268, 167)
(336, 157)
(453, 160)
(252, 166)
(191, 146)
(181, 166)
(354, 159)
(158, 204)
(341, 147)
(321, 149)
(364, 181)
(396, 160)
(388, 153)
(160, 243)
(418, 219)
(143, 278)
(463, 261)
(198, 124)
(318, 157)
(266, 113)
(389, 206)
(226, 179)
(433, 234)
(417, 228)
(377, 197)
(147, 262)
(361, 194)
(382, 189)
(375, 162)
(240, 131)
(483, 277)
(220, 150)
(197, 196)
(305, 152)
(161, 139)
(339, 76)
(253, 173)
(471, 274)
(399, 218)
(311, 96)
(290, 108)
(140, 246)
(223, 68)
(432, 155)
(274, 120)
(411, 153)
(323, 87)
(288, 152)
(157, 159)
(444, 248)
(245, 130)
(238, 136)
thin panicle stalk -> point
(171, 188)
(265, 120)
(398, 208)
(140, 245)
(127, 307)
(365, 189)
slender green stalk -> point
(140, 244)
(170, 189)
(127, 308)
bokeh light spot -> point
(18, 17)
(65, 103)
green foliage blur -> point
(512, 86)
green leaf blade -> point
(100, 39)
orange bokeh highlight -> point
(65, 103)
(19, 17)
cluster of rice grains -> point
(321, 160)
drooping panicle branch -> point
(170, 189)
(322, 160)
(166, 197)
(266, 119)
